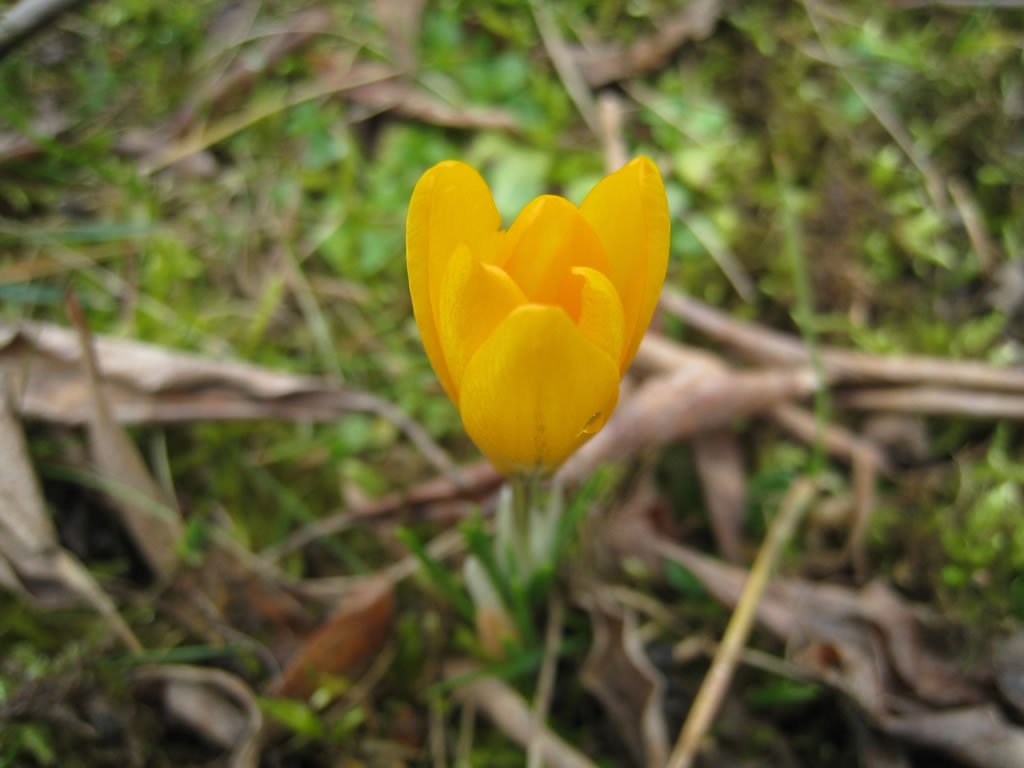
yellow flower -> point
(530, 329)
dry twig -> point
(566, 66)
(607, 64)
(546, 679)
(766, 345)
(512, 716)
(19, 22)
(716, 682)
(937, 400)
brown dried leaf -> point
(345, 641)
(199, 695)
(724, 484)
(512, 715)
(202, 710)
(622, 678)
(31, 559)
(868, 645)
(979, 736)
(149, 517)
(1008, 669)
(144, 383)
(685, 402)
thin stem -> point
(522, 493)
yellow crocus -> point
(530, 329)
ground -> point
(231, 180)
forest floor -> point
(235, 501)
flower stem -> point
(522, 498)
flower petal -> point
(536, 390)
(451, 205)
(546, 240)
(629, 212)
(475, 298)
(592, 301)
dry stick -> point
(836, 439)
(19, 22)
(765, 344)
(941, 400)
(933, 179)
(605, 64)
(443, 546)
(716, 682)
(865, 485)
(866, 459)
(609, 112)
(974, 223)
(467, 729)
(546, 679)
(301, 29)
(510, 713)
(196, 142)
(561, 56)
(417, 435)
(723, 256)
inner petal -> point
(544, 243)
(475, 298)
(593, 303)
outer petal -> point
(475, 298)
(629, 212)
(546, 240)
(591, 299)
(451, 205)
(536, 390)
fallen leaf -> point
(32, 561)
(344, 642)
(870, 646)
(618, 673)
(148, 516)
(689, 400)
(724, 485)
(511, 714)
(979, 736)
(197, 695)
(145, 383)
(1008, 668)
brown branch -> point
(17, 24)
(766, 345)
(935, 400)
(607, 64)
